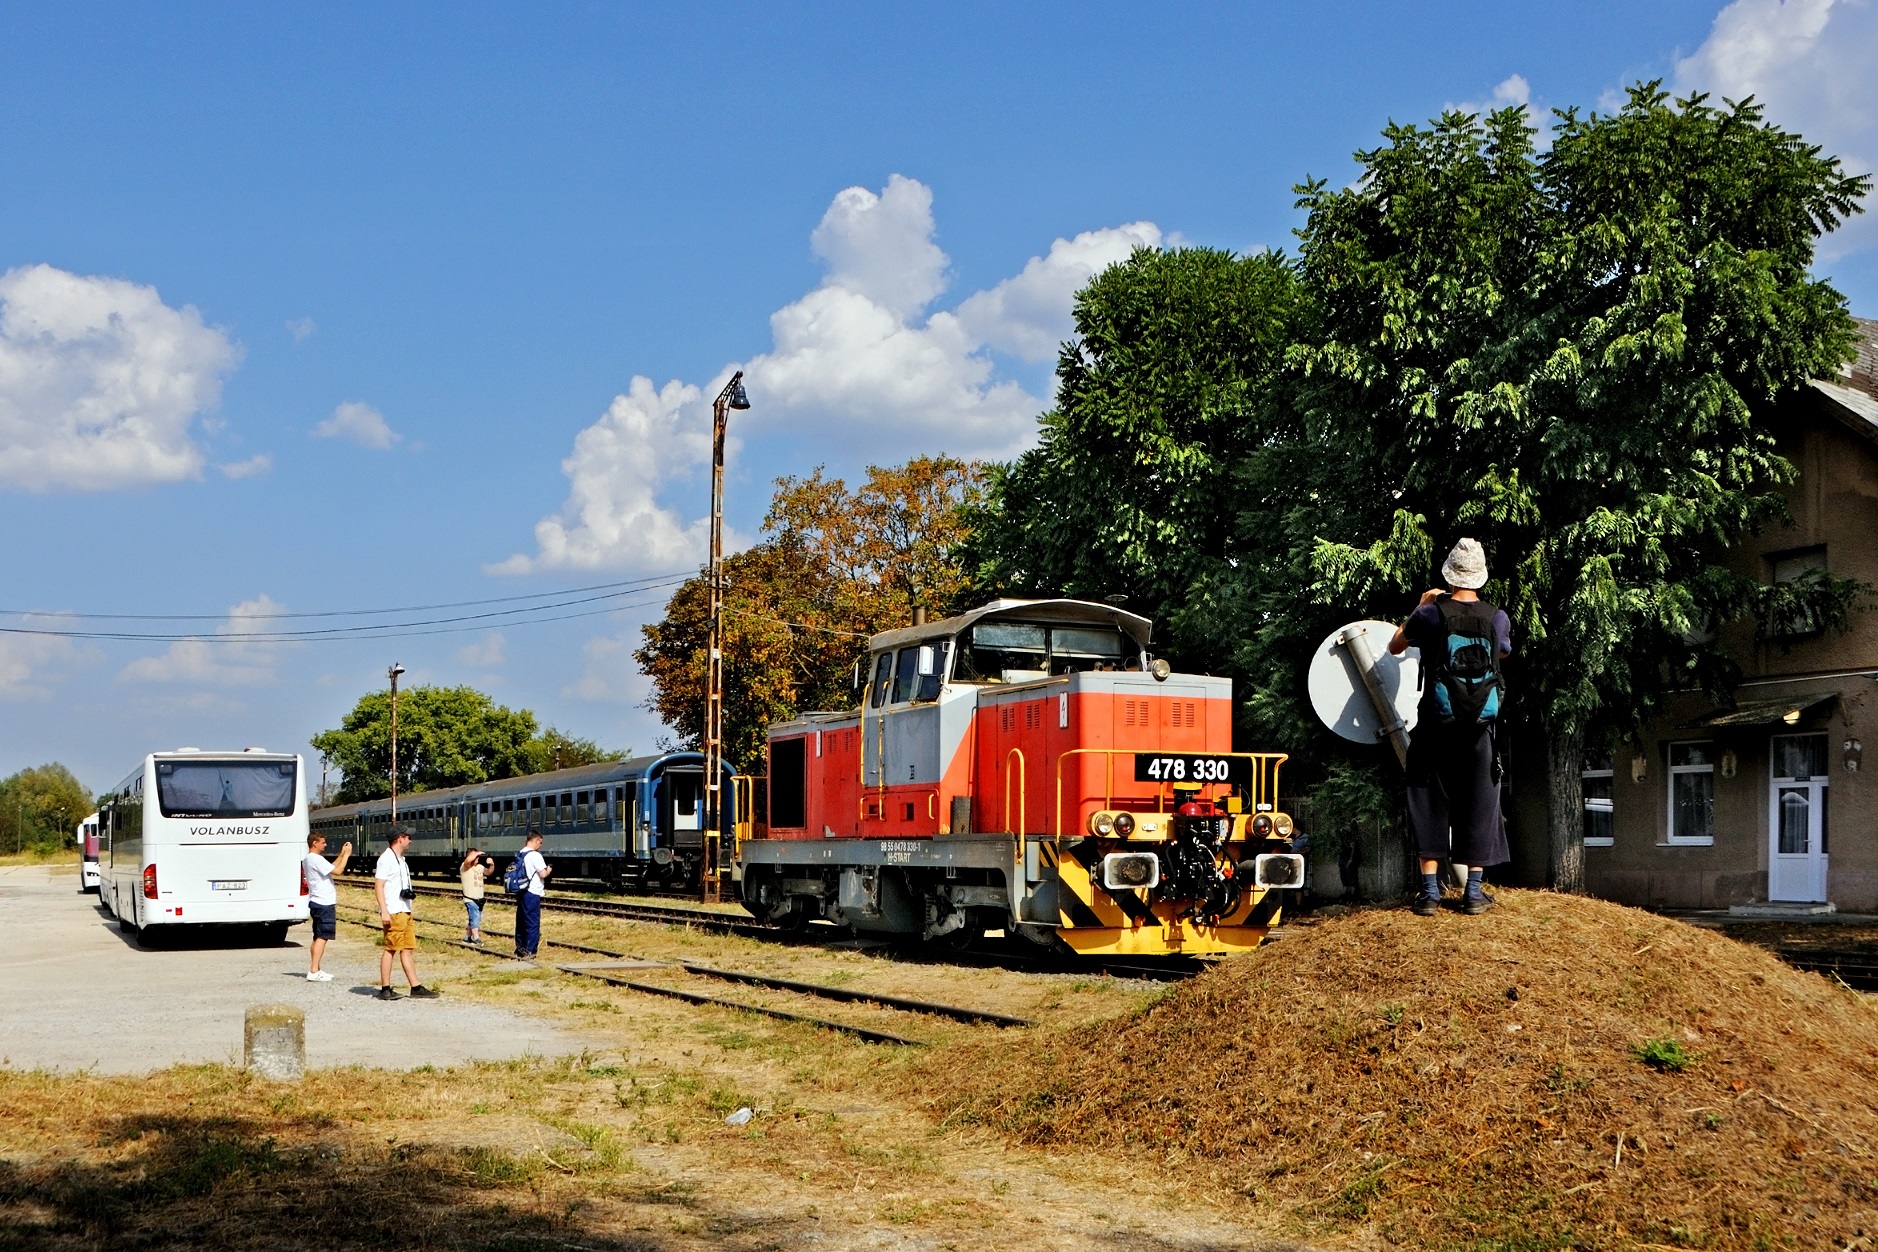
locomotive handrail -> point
(1258, 759)
(1023, 812)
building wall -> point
(1834, 504)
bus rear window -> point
(225, 788)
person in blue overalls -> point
(1453, 758)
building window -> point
(1795, 571)
(1600, 821)
(1692, 793)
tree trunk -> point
(1564, 810)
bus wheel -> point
(274, 933)
(150, 937)
(127, 924)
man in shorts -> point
(391, 882)
(322, 901)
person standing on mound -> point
(1454, 754)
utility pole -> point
(393, 672)
(731, 397)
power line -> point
(385, 630)
(664, 579)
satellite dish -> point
(1338, 695)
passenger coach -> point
(637, 823)
(193, 838)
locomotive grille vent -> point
(1033, 715)
(1007, 718)
(1186, 713)
(1129, 714)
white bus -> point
(196, 838)
(87, 837)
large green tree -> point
(1574, 356)
(1165, 393)
(447, 737)
(40, 807)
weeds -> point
(1665, 1054)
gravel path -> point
(82, 995)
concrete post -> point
(275, 1042)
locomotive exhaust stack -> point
(1026, 767)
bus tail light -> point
(303, 878)
(149, 882)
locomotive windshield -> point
(225, 788)
(1015, 652)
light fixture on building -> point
(1637, 767)
(1853, 751)
(1729, 762)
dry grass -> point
(1562, 1073)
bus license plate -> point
(1168, 767)
(228, 884)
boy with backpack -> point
(1454, 758)
(527, 881)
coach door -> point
(1797, 829)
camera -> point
(407, 894)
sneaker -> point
(421, 992)
(1474, 906)
(1426, 906)
(319, 975)
(524, 956)
(386, 993)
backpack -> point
(515, 882)
(1463, 678)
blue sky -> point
(311, 308)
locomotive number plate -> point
(1166, 767)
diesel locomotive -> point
(1029, 767)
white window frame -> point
(1601, 806)
(1673, 771)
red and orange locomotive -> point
(1026, 767)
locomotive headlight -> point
(1283, 822)
(1278, 870)
(1124, 824)
(1262, 826)
(1102, 824)
(1131, 871)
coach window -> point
(580, 807)
(1600, 815)
(534, 811)
(508, 812)
(883, 680)
(1691, 793)
(567, 807)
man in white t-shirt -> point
(322, 901)
(528, 904)
(391, 882)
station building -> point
(1770, 799)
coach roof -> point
(1049, 612)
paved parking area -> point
(79, 994)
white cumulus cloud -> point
(1811, 64)
(101, 382)
(234, 663)
(254, 466)
(358, 423)
(862, 360)
(28, 662)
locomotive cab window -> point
(1016, 652)
(882, 686)
(1075, 649)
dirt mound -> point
(1560, 1073)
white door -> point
(1796, 825)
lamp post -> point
(731, 397)
(393, 673)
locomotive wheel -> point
(958, 940)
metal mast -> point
(731, 397)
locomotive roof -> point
(1067, 612)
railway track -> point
(608, 972)
(1858, 970)
(1002, 956)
